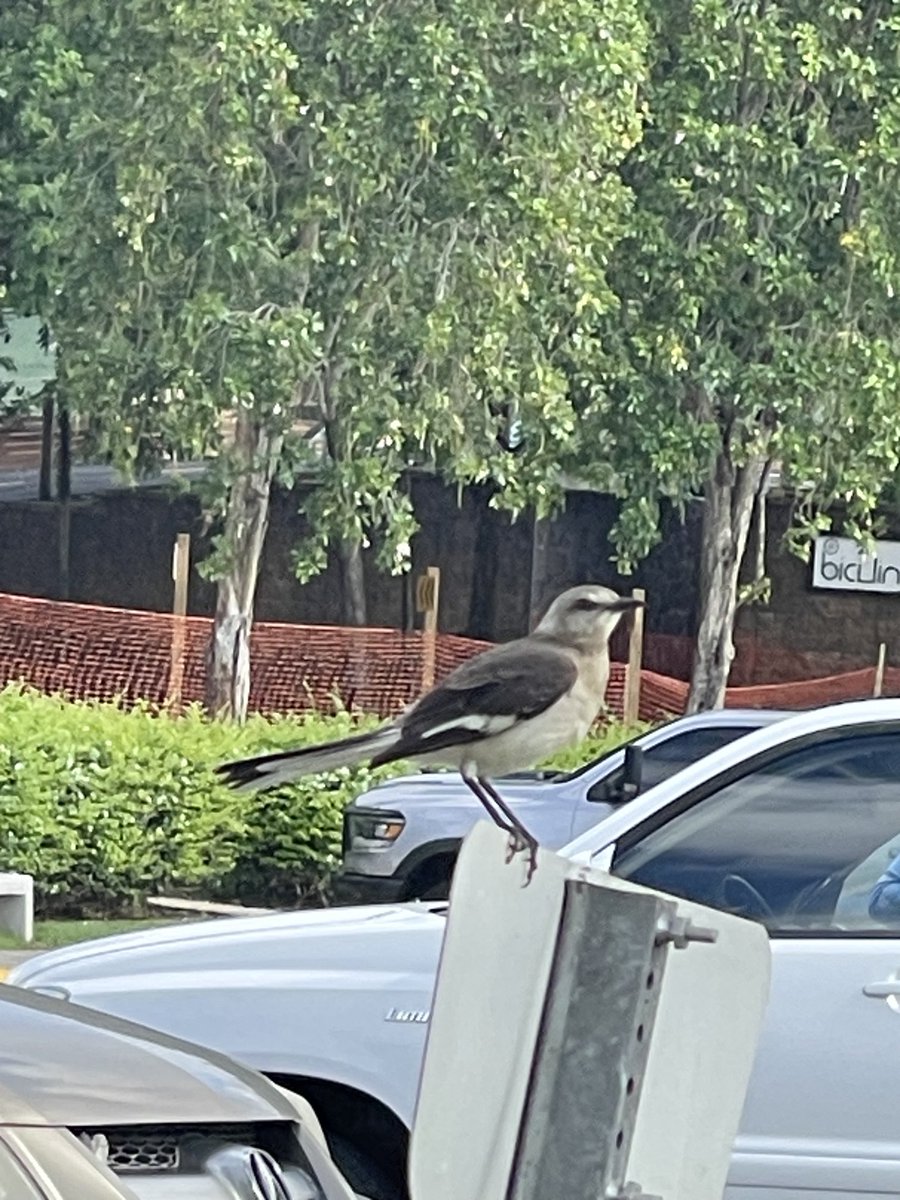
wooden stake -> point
(879, 670)
(428, 592)
(181, 569)
(632, 703)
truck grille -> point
(157, 1148)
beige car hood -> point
(61, 1064)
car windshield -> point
(565, 776)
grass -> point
(48, 935)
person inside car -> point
(884, 899)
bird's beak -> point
(626, 604)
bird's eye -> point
(586, 605)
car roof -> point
(730, 716)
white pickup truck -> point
(401, 838)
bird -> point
(505, 709)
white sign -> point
(500, 967)
(842, 563)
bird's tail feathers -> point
(270, 770)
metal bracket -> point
(680, 932)
(593, 1045)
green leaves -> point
(105, 806)
(519, 244)
(757, 282)
(394, 218)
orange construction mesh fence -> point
(87, 652)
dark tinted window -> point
(798, 843)
(680, 751)
(669, 757)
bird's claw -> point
(516, 845)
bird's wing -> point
(485, 695)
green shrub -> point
(104, 806)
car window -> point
(680, 751)
(860, 892)
(668, 757)
(801, 843)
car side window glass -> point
(678, 752)
(803, 843)
(668, 757)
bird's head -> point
(586, 616)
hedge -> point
(105, 805)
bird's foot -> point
(500, 813)
(516, 844)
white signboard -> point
(501, 965)
(842, 563)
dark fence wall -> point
(495, 574)
(120, 553)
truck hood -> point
(447, 786)
(61, 1064)
(320, 939)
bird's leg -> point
(484, 800)
(520, 839)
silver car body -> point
(39, 1161)
(335, 994)
(43, 1163)
(345, 995)
(170, 1119)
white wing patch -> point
(476, 722)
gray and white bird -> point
(503, 710)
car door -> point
(797, 840)
(660, 761)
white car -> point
(792, 825)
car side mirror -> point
(622, 785)
(632, 773)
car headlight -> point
(371, 829)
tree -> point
(758, 288)
(283, 209)
(757, 318)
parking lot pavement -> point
(12, 958)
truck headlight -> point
(369, 830)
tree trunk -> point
(246, 519)
(729, 496)
(353, 583)
(64, 461)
